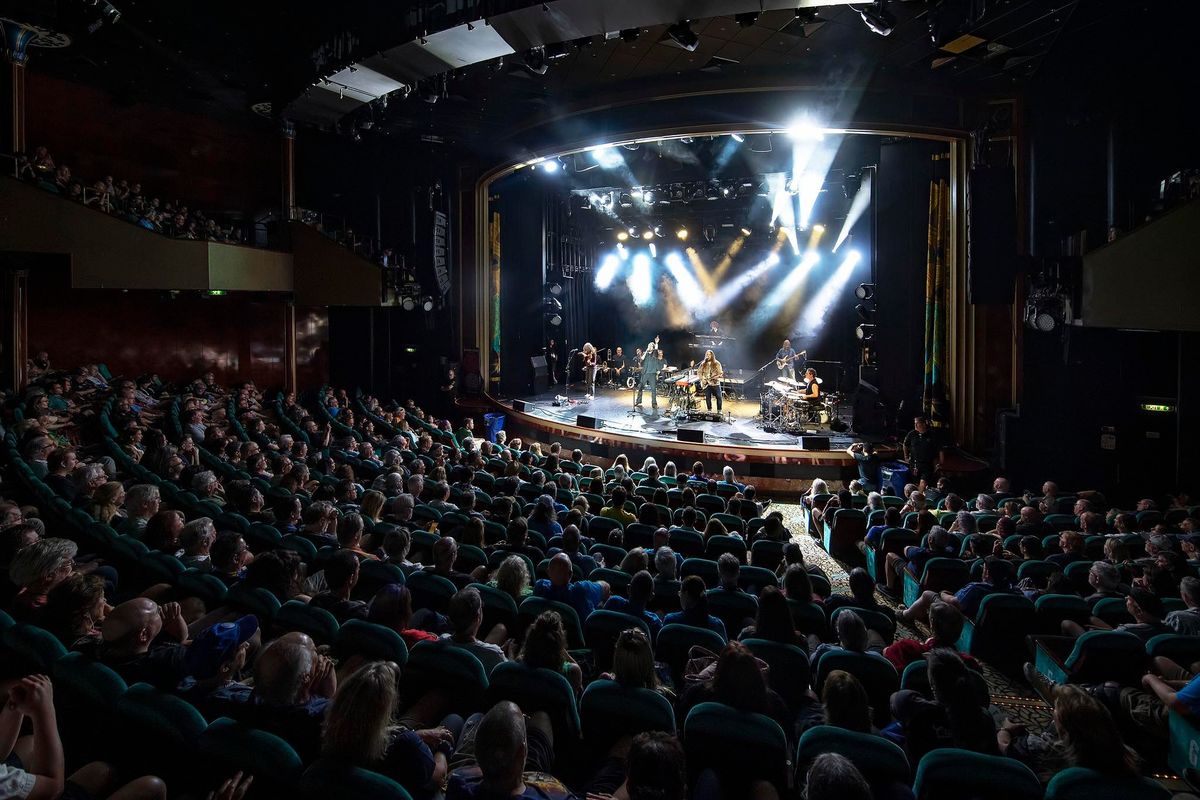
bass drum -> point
(631, 382)
(823, 416)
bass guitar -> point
(782, 363)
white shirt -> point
(15, 783)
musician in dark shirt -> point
(812, 385)
(552, 361)
(651, 364)
(785, 358)
(616, 366)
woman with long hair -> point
(512, 578)
(544, 518)
(714, 528)
(76, 608)
(361, 730)
(392, 607)
(106, 502)
(774, 620)
(372, 505)
(633, 662)
(738, 682)
(846, 703)
(955, 717)
(546, 648)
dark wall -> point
(521, 277)
(173, 154)
(388, 352)
(235, 336)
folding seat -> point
(766, 554)
(1112, 610)
(262, 537)
(809, 618)
(789, 674)
(755, 579)
(951, 774)
(600, 632)
(424, 514)
(431, 591)
(710, 504)
(701, 518)
(36, 648)
(296, 615)
(841, 538)
(877, 675)
(533, 607)
(617, 580)
(157, 728)
(644, 491)
(1078, 783)
(732, 608)
(1062, 522)
(596, 504)
(356, 637)
(705, 568)
(882, 763)
(876, 621)
(1036, 570)
(209, 589)
(85, 695)
(469, 558)
(227, 746)
(820, 585)
(422, 545)
(638, 534)
(613, 555)
(736, 745)
(892, 540)
(608, 711)
(373, 576)
(453, 671)
(498, 608)
(1077, 574)
(986, 523)
(537, 689)
(1052, 609)
(716, 546)
(689, 544)
(329, 779)
(916, 678)
(156, 567)
(96, 537)
(259, 602)
(940, 574)
(1094, 657)
(674, 641)
(997, 634)
(731, 522)
(1183, 650)
(1147, 519)
(301, 546)
(125, 555)
(230, 521)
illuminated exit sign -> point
(1157, 408)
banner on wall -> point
(440, 248)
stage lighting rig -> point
(878, 18)
(681, 34)
(535, 61)
(682, 234)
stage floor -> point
(613, 409)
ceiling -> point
(222, 58)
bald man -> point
(143, 642)
(583, 596)
(513, 756)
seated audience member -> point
(163, 530)
(361, 730)
(1084, 735)
(667, 564)
(196, 540)
(1105, 580)
(512, 578)
(946, 623)
(445, 553)
(1071, 543)
(641, 591)
(862, 595)
(215, 660)
(1145, 608)
(75, 610)
(653, 769)
(773, 529)
(42, 772)
(633, 663)
(997, 579)
(616, 510)
(891, 519)
(392, 607)
(938, 543)
(292, 688)
(773, 621)
(35, 570)
(852, 636)
(350, 535)
(955, 717)
(280, 572)
(728, 571)
(466, 615)
(545, 647)
(572, 543)
(845, 703)
(544, 518)
(229, 555)
(142, 642)
(583, 596)
(341, 576)
(60, 463)
(319, 524)
(1187, 620)
(834, 777)
(516, 540)
(736, 680)
(693, 600)
(141, 504)
(509, 755)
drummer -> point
(812, 385)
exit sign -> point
(1157, 408)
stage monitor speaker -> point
(520, 405)
(814, 442)
(541, 374)
(690, 435)
(992, 260)
(584, 421)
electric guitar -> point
(713, 381)
(781, 363)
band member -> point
(552, 361)
(812, 385)
(714, 328)
(710, 375)
(638, 356)
(785, 359)
(589, 368)
(651, 364)
(616, 366)
(653, 345)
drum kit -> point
(783, 407)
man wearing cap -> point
(997, 579)
(215, 660)
(143, 643)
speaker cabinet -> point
(584, 421)
(814, 442)
(541, 374)
(694, 435)
(520, 405)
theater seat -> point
(876, 621)
(674, 641)
(600, 632)
(296, 615)
(789, 674)
(702, 567)
(328, 779)
(809, 618)
(952, 774)
(1052, 609)
(997, 633)
(439, 665)
(842, 537)
(717, 546)
(37, 648)
(1183, 650)
(1183, 753)
(431, 591)
(1112, 610)
(608, 711)
(157, 728)
(373, 576)
(736, 745)
(1077, 783)
(881, 762)
(537, 689)
(1096, 656)
(877, 675)
(893, 540)
(532, 607)
(209, 589)
(766, 554)
(259, 602)
(916, 678)
(755, 579)
(227, 746)
(356, 637)
(498, 608)
(732, 608)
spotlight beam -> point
(858, 207)
(639, 281)
(814, 313)
(608, 271)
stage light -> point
(653, 251)
(737, 137)
(865, 332)
(747, 19)
(555, 320)
(607, 156)
(682, 234)
(818, 228)
(726, 191)
(637, 194)
(554, 289)
(648, 196)
(658, 231)
(622, 236)
(626, 200)
(804, 130)
(647, 234)
(427, 303)
(865, 291)
(681, 33)
(709, 233)
(550, 165)
(745, 231)
(408, 303)
(639, 280)
(535, 61)
(878, 18)
(608, 270)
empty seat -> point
(1095, 657)
(997, 634)
(951, 774)
(329, 779)
(842, 536)
(370, 641)
(674, 641)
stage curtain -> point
(937, 273)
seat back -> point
(227, 746)
(532, 607)
(535, 689)
(259, 602)
(210, 589)
(755, 579)
(498, 608)
(638, 534)
(1112, 610)
(809, 618)
(600, 632)
(876, 621)
(951, 774)
(716, 546)
(689, 544)
(881, 762)
(848, 528)
(1052, 609)
(732, 608)
(703, 567)
(1181, 649)
(1078, 783)
(877, 675)
(608, 711)
(997, 634)
(1100, 656)
(944, 574)
(735, 744)
(431, 591)
(766, 554)
(456, 672)
(789, 674)
(674, 641)
(356, 637)
(328, 779)
(159, 728)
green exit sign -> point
(1157, 408)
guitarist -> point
(784, 358)
(710, 375)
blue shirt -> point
(583, 596)
(1190, 696)
(970, 596)
(693, 619)
(622, 604)
(874, 534)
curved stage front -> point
(773, 461)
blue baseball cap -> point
(216, 645)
